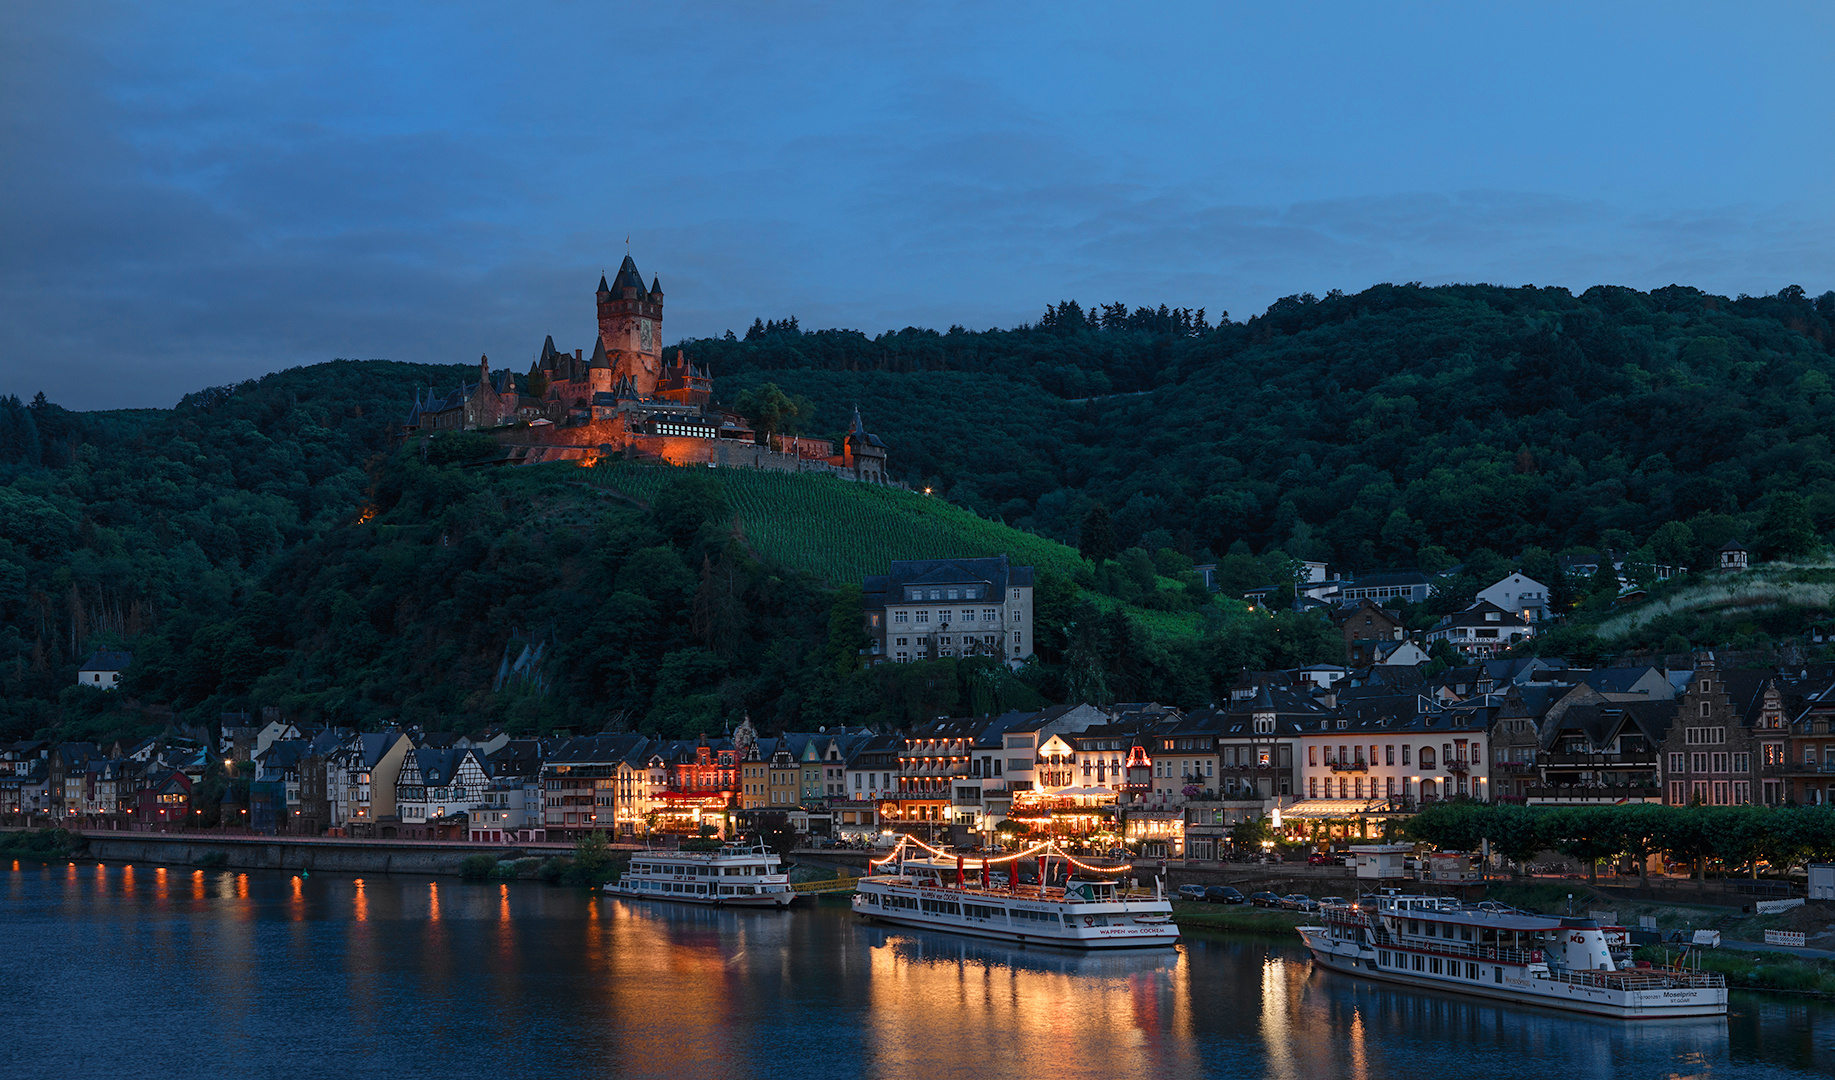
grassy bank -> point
(1239, 917)
(1758, 970)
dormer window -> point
(953, 594)
(1493, 616)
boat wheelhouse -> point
(1494, 951)
(983, 897)
(738, 875)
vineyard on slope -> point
(843, 531)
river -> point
(164, 971)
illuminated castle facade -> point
(626, 398)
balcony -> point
(1513, 766)
(1591, 793)
(1348, 766)
(1811, 768)
(1459, 765)
(1580, 760)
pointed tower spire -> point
(859, 427)
(603, 287)
(600, 360)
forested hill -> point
(220, 539)
(1400, 425)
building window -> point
(899, 616)
(923, 616)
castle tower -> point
(631, 330)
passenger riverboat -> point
(1492, 951)
(738, 875)
(925, 887)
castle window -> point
(923, 616)
(988, 614)
(899, 616)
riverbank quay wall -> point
(337, 855)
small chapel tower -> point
(630, 331)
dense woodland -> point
(266, 544)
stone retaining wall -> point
(269, 853)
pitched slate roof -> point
(107, 660)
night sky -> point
(194, 194)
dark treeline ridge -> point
(1402, 425)
(219, 539)
(1734, 837)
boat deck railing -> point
(1473, 951)
(1642, 979)
(1050, 893)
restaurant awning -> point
(1316, 809)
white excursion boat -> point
(738, 875)
(971, 896)
(1497, 952)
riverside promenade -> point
(255, 851)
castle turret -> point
(862, 452)
(631, 328)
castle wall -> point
(584, 442)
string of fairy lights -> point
(1046, 849)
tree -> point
(1673, 544)
(1786, 530)
(1516, 832)
(774, 832)
(1096, 539)
(772, 411)
(1586, 833)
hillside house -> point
(103, 669)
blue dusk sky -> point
(194, 194)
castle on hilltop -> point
(626, 398)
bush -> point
(43, 843)
(477, 867)
(552, 868)
(528, 868)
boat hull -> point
(1137, 925)
(756, 900)
(1523, 989)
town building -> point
(1406, 586)
(1518, 593)
(103, 669)
(1482, 630)
(924, 609)
(1729, 742)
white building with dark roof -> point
(925, 609)
(1519, 593)
(102, 671)
(1483, 630)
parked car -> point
(1333, 901)
(1299, 902)
(1191, 892)
(1265, 899)
(1319, 858)
(1223, 894)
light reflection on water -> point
(289, 974)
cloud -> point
(195, 196)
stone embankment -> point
(249, 852)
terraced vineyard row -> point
(842, 531)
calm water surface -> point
(155, 971)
